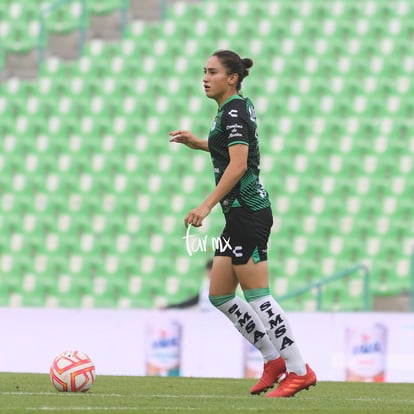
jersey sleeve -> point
(234, 123)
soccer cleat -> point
(294, 383)
(272, 371)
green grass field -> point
(33, 393)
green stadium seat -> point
(105, 183)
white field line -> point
(294, 409)
(57, 393)
(200, 396)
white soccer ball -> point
(72, 371)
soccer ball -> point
(72, 371)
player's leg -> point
(223, 284)
(253, 279)
(252, 231)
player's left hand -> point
(196, 216)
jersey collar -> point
(229, 99)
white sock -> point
(247, 323)
(279, 331)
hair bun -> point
(247, 62)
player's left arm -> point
(235, 125)
(231, 176)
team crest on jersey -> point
(234, 113)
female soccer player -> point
(234, 149)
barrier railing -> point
(319, 284)
(47, 10)
(43, 15)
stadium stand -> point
(93, 196)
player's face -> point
(218, 84)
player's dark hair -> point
(234, 64)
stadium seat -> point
(88, 165)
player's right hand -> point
(184, 137)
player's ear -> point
(233, 79)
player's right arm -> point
(189, 139)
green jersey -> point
(235, 123)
